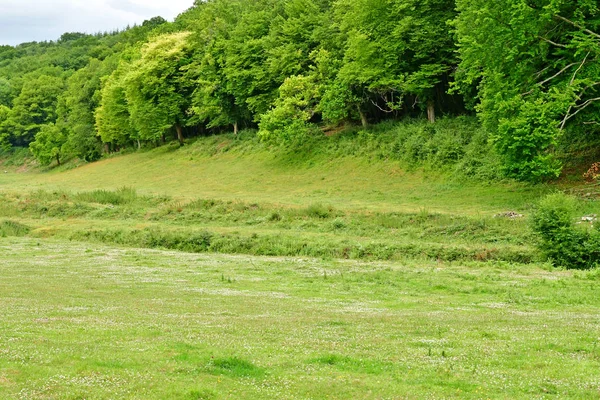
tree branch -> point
(537, 74)
(557, 74)
(580, 107)
(377, 105)
(588, 87)
(553, 43)
(575, 24)
(416, 101)
(549, 79)
(579, 69)
(586, 103)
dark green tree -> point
(48, 144)
(394, 50)
(534, 66)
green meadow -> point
(225, 270)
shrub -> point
(593, 173)
(561, 241)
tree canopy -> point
(529, 69)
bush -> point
(561, 241)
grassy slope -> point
(345, 183)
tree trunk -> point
(106, 148)
(58, 160)
(235, 128)
(363, 118)
(179, 130)
(139, 144)
(431, 111)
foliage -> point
(4, 130)
(5, 92)
(534, 69)
(48, 144)
(288, 120)
(290, 67)
(530, 127)
(157, 87)
(563, 242)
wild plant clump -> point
(593, 174)
(562, 241)
(13, 228)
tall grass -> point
(123, 195)
(13, 228)
(315, 230)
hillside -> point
(293, 69)
(215, 168)
(335, 197)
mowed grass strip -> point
(95, 322)
(123, 217)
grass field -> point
(200, 273)
(89, 321)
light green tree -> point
(158, 87)
(112, 116)
(288, 120)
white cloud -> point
(39, 20)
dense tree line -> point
(529, 68)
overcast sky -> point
(38, 20)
